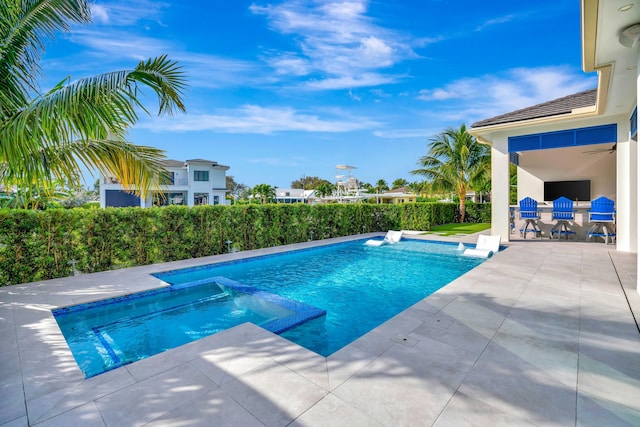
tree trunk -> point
(462, 206)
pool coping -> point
(52, 388)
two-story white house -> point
(191, 182)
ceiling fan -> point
(602, 150)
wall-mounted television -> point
(574, 190)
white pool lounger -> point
(391, 237)
(485, 248)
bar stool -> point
(530, 214)
(603, 215)
(563, 212)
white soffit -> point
(612, 20)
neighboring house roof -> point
(173, 163)
(213, 163)
(201, 161)
(564, 105)
(398, 192)
(170, 163)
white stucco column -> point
(625, 190)
(103, 193)
(633, 208)
(500, 189)
(636, 176)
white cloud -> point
(354, 96)
(376, 52)
(99, 13)
(497, 21)
(471, 99)
(337, 43)
(128, 12)
(380, 93)
(344, 9)
(254, 119)
(344, 82)
(203, 70)
(491, 95)
(210, 71)
(289, 64)
(406, 133)
(338, 46)
(119, 44)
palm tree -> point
(46, 136)
(456, 160)
(381, 185)
(420, 188)
(325, 189)
(367, 187)
(398, 183)
(264, 192)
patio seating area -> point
(539, 334)
(594, 222)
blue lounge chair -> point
(603, 215)
(530, 213)
(563, 212)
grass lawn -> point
(453, 229)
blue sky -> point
(282, 89)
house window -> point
(176, 198)
(201, 175)
(201, 199)
(216, 200)
(168, 178)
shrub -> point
(91, 205)
(38, 245)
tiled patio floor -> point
(540, 334)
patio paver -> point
(540, 334)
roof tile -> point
(556, 107)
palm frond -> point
(166, 78)
(49, 136)
(139, 168)
(25, 27)
(98, 108)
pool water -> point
(321, 298)
(359, 286)
(107, 334)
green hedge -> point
(38, 245)
(477, 212)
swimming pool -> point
(107, 334)
(359, 287)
